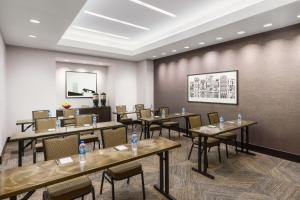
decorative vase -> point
(96, 99)
(103, 99)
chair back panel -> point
(138, 108)
(56, 148)
(195, 122)
(122, 109)
(213, 118)
(39, 114)
(114, 137)
(69, 113)
(42, 125)
(166, 109)
(145, 113)
(81, 120)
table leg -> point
(245, 145)
(147, 130)
(205, 160)
(13, 198)
(20, 152)
(242, 139)
(164, 176)
(187, 134)
(22, 128)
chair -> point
(196, 122)
(168, 123)
(87, 136)
(42, 125)
(56, 148)
(224, 137)
(114, 137)
(145, 113)
(124, 117)
(39, 114)
(69, 113)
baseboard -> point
(3, 150)
(268, 151)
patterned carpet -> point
(241, 177)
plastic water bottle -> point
(82, 152)
(58, 124)
(134, 141)
(77, 112)
(221, 122)
(163, 113)
(239, 120)
(94, 120)
(183, 111)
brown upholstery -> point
(42, 125)
(69, 113)
(124, 171)
(38, 114)
(138, 108)
(213, 118)
(168, 123)
(114, 137)
(60, 147)
(211, 142)
(146, 113)
(195, 122)
(56, 148)
(122, 109)
(81, 120)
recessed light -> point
(241, 32)
(298, 16)
(99, 32)
(66, 60)
(186, 47)
(154, 56)
(116, 20)
(268, 25)
(174, 50)
(153, 8)
(32, 36)
(201, 43)
(163, 53)
(219, 38)
(35, 21)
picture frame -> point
(80, 84)
(214, 87)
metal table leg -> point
(20, 152)
(245, 145)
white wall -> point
(33, 77)
(145, 83)
(3, 130)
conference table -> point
(63, 131)
(213, 130)
(120, 114)
(157, 119)
(27, 179)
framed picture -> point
(80, 84)
(217, 87)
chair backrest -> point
(122, 109)
(42, 125)
(145, 113)
(69, 113)
(195, 122)
(81, 120)
(113, 137)
(39, 114)
(138, 108)
(213, 118)
(55, 148)
(166, 109)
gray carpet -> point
(241, 177)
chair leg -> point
(208, 149)
(82, 198)
(152, 134)
(143, 186)
(94, 146)
(128, 180)
(141, 135)
(160, 133)
(219, 151)
(102, 181)
(93, 193)
(235, 141)
(191, 151)
(99, 144)
(45, 195)
(132, 126)
(226, 149)
(113, 189)
(169, 133)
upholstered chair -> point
(146, 113)
(69, 113)
(168, 123)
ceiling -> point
(139, 29)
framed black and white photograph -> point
(217, 87)
(80, 84)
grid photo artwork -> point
(219, 87)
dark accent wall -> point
(269, 84)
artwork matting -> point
(214, 87)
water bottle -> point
(58, 125)
(183, 111)
(77, 112)
(82, 152)
(239, 119)
(221, 122)
(134, 141)
(94, 120)
(163, 113)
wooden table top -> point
(23, 179)
(31, 121)
(132, 112)
(63, 130)
(228, 126)
(170, 116)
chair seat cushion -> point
(170, 123)
(210, 142)
(39, 147)
(89, 138)
(126, 170)
(154, 127)
(70, 189)
(227, 135)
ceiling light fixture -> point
(298, 16)
(32, 36)
(174, 50)
(154, 56)
(35, 21)
(219, 38)
(163, 53)
(186, 47)
(153, 8)
(241, 32)
(116, 20)
(99, 32)
(201, 43)
(268, 25)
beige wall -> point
(3, 130)
(269, 84)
